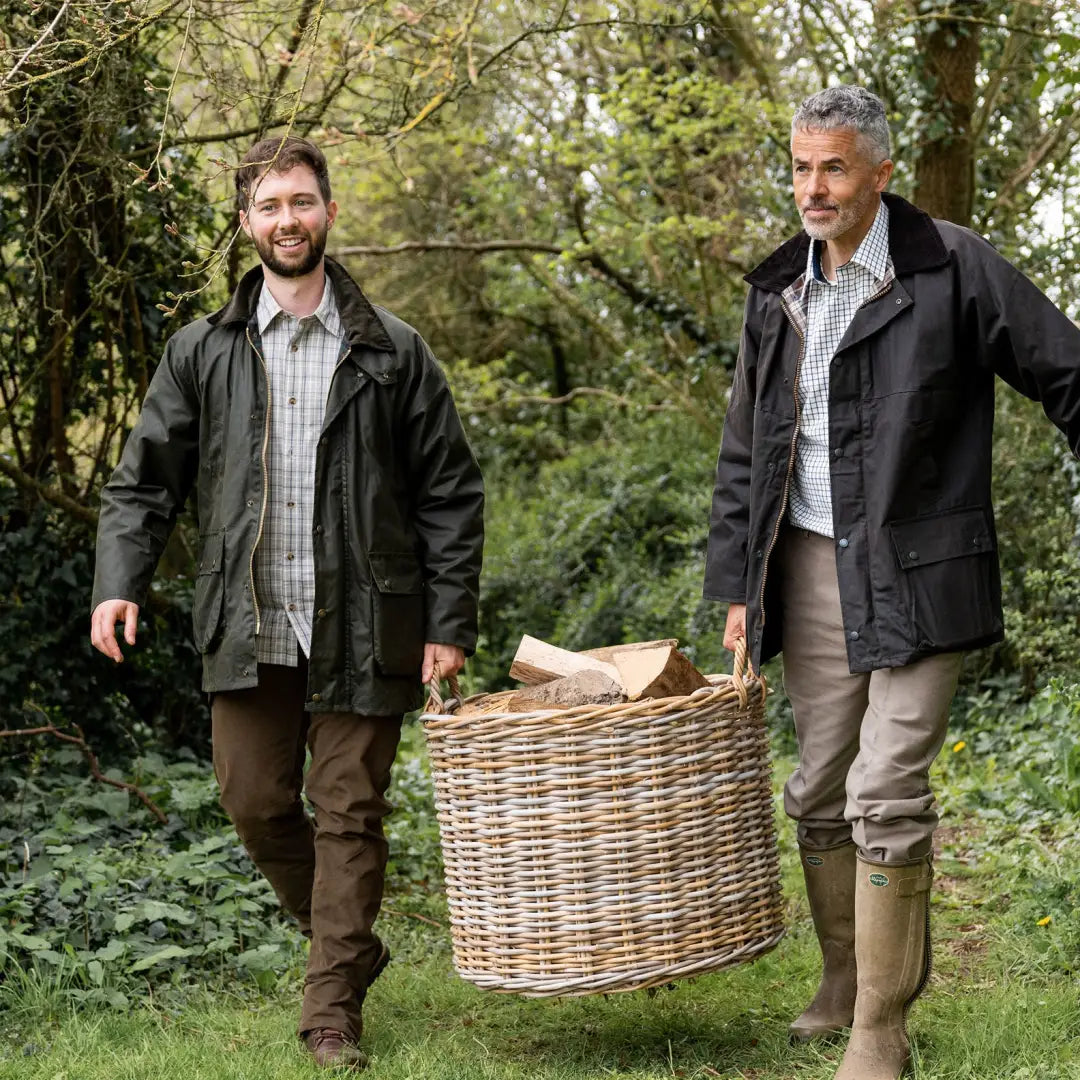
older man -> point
(341, 527)
(852, 529)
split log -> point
(656, 673)
(538, 662)
(584, 688)
(607, 653)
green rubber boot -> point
(892, 949)
(830, 888)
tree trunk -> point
(945, 169)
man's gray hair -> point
(847, 107)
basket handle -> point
(435, 701)
(739, 670)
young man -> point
(852, 529)
(341, 530)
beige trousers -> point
(867, 740)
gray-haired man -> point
(852, 529)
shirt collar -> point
(268, 309)
(872, 254)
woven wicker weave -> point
(601, 849)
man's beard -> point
(847, 217)
(273, 261)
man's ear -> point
(331, 213)
(244, 223)
(884, 171)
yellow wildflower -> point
(957, 747)
(1045, 922)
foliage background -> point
(564, 199)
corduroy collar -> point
(362, 323)
(914, 244)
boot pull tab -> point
(915, 885)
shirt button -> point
(292, 607)
(842, 542)
(854, 635)
(294, 349)
(292, 401)
(290, 556)
(290, 505)
(251, 502)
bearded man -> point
(852, 529)
(340, 520)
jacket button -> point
(318, 530)
(842, 542)
(838, 452)
(321, 613)
(899, 300)
(316, 697)
(912, 555)
(853, 635)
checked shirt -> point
(301, 356)
(828, 308)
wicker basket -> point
(608, 848)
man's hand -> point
(103, 626)
(735, 627)
(450, 659)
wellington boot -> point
(892, 949)
(830, 888)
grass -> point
(1001, 1004)
(983, 1018)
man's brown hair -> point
(281, 155)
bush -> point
(50, 673)
(604, 546)
(96, 894)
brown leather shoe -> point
(332, 1050)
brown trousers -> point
(866, 741)
(328, 874)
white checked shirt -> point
(829, 308)
(300, 357)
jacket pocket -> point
(208, 602)
(948, 561)
(397, 615)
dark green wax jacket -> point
(398, 525)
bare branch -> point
(33, 48)
(79, 740)
(51, 495)
(564, 399)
